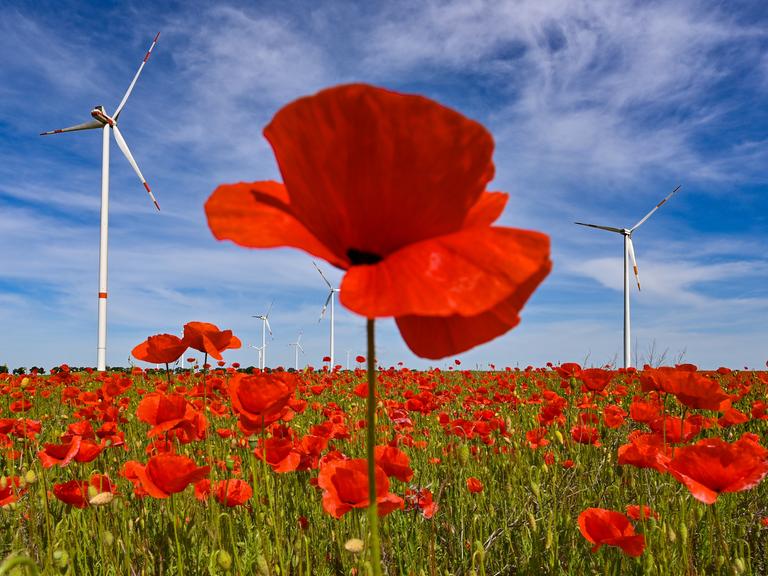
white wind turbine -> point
(264, 327)
(258, 349)
(102, 120)
(328, 300)
(629, 252)
(297, 347)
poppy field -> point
(215, 470)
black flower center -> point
(360, 258)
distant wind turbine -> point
(330, 299)
(258, 349)
(297, 347)
(629, 252)
(102, 120)
(264, 327)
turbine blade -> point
(269, 309)
(655, 208)
(133, 82)
(124, 147)
(298, 340)
(634, 260)
(609, 228)
(268, 326)
(300, 347)
(321, 274)
(325, 306)
(84, 126)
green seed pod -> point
(559, 436)
(683, 533)
(532, 522)
(739, 566)
(60, 558)
(107, 538)
(223, 560)
(30, 477)
(671, 535)
(262, 566)
(463, 454)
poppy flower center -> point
(360, 258)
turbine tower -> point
(297, 347)
(629, 252)
(264, 327)
(330, 299)
(106, 122)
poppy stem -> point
(373, 515)
(168, 375)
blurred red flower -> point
(164, 474)
(609, 528)
(637, 512)
(356, 159)
(688, 386)
(345, 486)
(230, 493)
(713, 466)
(160, 349)
(394, 462)
(207, 338)
(474, 485)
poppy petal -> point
(257, 215)
(487, 209)
(435, 337)
(373, 170)
(466, 273)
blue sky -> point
(598, 110)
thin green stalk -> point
(373, 515)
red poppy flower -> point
(421, 500)
(164, 474)
(645, 451)
(80, 493)
(391, 188)
(637, 512)
(474, 485)
(10, 490)
(207, 338)
(689, 387)
(394, 462)
(595, 379)
(160, 349)
(584, 434)
(172, 413)
(609, 528)
(345, 486)
(230, 493)
(261, 399)
(713, 466)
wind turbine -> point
(106, 122)
(629, 252)
(297, 347)
(258, 349)
(328, 300)
(264, 327)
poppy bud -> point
(683, 533)
(107, 538)
(739, 567)
(224, 560)
(671, 534)
(60, 558)
(559, 436)
(532, 522)
(262, 566)
(463, 454)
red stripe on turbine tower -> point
(103, 295)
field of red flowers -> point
(557, 470)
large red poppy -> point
(606, 527)
(160, 349)
(207, 338)
(392, 188)
(689, 387)
(713, 466)
(345, 486)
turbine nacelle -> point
(100, 114)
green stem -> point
(373, 515)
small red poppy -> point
(345, 486)
(160, 349)
(474, 485)
(207, 338)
